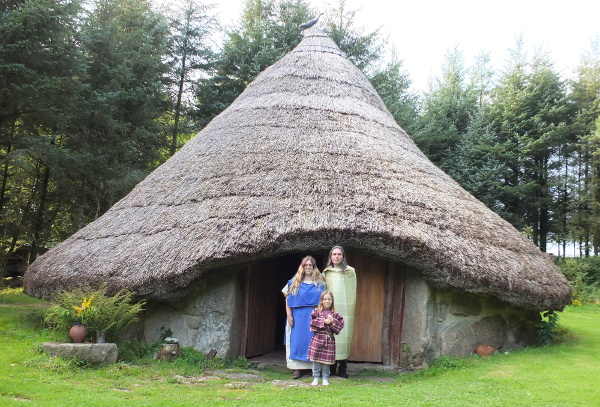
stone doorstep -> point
(93, 353)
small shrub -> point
(192, 357)
(165, 333)
(243, 363)
(448, 363)
(55, 364)
(192, 360)
(546, 328)
(133, 351)
(11, 291)
(94, 309)
(35, 318)
(583, 274)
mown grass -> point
(558, 375)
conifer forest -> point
(95, 94)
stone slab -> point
(92, 353)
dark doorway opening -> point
(265, 304)
(379, 309)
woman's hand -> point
(329, 319)
(290, 319)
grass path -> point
(558, 375)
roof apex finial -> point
(310, 23)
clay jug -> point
(484, 350)
(77, 333)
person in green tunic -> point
(341, 281)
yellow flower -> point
(85, 304)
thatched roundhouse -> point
(308, 157)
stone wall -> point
(211, 317)
(440, 323)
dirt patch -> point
(194, 380)
(285, 384)
(244, 376)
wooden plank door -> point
(367, 338)
(261, 302)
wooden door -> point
(265, 304)
(367, 338)
(260, 304)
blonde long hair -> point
(317, 277)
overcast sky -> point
(423, 30)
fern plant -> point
(94, 309)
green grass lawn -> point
(566, 374)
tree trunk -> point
(178, 104)
(38, 223)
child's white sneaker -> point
(315, 382)
(325, 382)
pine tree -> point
(40, 67)
(191, 56)
(585, 98)
(392, 83)
(125, 42)
(530, 116)
(267, 31)
(446, 112)
(364, 50)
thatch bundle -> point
(307, 157)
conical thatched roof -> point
(307, 157)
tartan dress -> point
(322, 344)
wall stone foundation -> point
(438, 323)
(211, 317)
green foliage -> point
(365, 50)
(8, 292)
(136, 351)
(446, 113)
(584, 276)
(446, 363)
(165, 333)
(40, 67)
(95, 309)
(80, 93)
(190, 55)
(546, 328)
(392, 83)
(582, 215)
(193, 361)
(93, 98)
(266, 32)
(529, 115)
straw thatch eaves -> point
(308, 156)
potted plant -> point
(101, 314)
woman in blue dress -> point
(302, 294)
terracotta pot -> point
(484, 350)
(77, 332)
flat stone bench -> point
(92, 353)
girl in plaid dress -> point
(324, 322)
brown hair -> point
(343, 264)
